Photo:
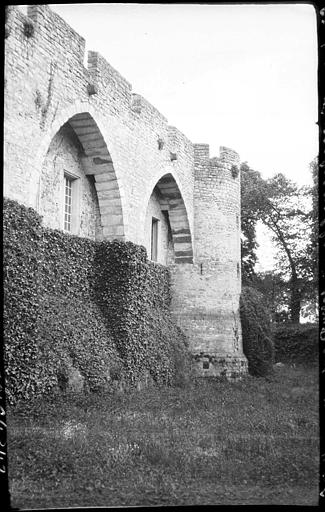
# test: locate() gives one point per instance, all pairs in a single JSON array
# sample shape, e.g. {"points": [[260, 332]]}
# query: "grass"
{"points": [[253, 441]]}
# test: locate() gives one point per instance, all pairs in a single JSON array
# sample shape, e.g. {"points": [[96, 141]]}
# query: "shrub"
{"points": [[296, 343], [134, 296], [22, 235], [257, 335], [98, 307], [50, 321]]}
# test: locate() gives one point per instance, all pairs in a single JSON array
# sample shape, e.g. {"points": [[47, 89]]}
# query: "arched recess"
{"points": [[170, 200], [97, 161]]}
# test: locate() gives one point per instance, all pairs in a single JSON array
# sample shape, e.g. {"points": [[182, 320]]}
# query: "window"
{"points": [[67, 202], [154, 239], [71, 220]]}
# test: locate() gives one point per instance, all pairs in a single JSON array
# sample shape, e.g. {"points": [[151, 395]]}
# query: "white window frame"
{"points": [[75, 203]]}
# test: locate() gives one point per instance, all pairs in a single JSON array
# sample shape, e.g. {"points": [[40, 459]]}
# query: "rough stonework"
{"points": [[77, 137]]}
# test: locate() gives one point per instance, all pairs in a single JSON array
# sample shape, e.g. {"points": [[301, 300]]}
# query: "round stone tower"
{"points": [[209, 312]]}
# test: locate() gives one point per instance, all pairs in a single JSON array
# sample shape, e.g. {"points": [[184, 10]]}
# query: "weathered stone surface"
{"points": [[107, 141], [70, 379], [219, 365]]}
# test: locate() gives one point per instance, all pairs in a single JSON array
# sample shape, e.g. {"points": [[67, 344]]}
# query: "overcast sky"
{"points": [[243, 76]]}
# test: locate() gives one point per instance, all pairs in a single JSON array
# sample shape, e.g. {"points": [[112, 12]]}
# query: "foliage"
{"points": [[313, 245], [50, 323], [100, 308], [287, 215], [285, 210], [71, 323], [256, 329], [22, 236], [250, 183], [276, 293], [134, 296], [296, 343]]}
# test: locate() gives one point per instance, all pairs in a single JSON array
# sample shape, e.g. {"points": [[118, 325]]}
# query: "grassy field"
{"points": [[253, 441]]}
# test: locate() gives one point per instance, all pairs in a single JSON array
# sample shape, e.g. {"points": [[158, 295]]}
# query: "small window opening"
{"points": [[67, 202], [71, 220]]}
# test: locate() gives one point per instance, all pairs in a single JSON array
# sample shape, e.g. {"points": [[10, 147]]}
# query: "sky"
{"points": [[241, 76]]}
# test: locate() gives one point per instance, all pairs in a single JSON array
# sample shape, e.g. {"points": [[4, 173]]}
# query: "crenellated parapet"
{"points": [[228, 159], [57, 44], [42, 27], [217, 204], [141, 105], [47, 80]]}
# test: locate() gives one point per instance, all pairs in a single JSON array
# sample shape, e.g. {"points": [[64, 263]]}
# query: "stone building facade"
{"points": [[97, 160]]}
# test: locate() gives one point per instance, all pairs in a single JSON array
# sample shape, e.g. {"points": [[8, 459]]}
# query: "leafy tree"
{"points": [[313, 246], [276, 294], [251, 181], [287, 214], [286, 211]]}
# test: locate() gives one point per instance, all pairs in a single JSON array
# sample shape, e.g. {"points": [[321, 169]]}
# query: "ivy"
{"points": [[256, 330], [99, 307], [134, 296]]}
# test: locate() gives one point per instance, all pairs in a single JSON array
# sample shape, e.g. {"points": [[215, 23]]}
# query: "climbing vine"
{"points": [[256, 330], [70, 302], [134, 296]]}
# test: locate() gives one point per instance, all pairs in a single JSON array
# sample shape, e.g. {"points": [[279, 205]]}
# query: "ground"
{"points": [[253, 441]]}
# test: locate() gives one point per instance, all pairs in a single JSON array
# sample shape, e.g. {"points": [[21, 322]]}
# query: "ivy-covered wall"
{"points": [[72, 304], [257, 334]]}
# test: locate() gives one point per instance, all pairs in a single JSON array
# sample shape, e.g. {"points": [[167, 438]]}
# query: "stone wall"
{"points": [[47, 85], [124, 154], [64, 156], [154, 211]]}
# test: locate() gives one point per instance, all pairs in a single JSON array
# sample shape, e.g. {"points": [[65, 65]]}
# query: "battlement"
{"points": [[201, 152], [51, 27], [54, 37], [102, 71], [44, 32], [227, 157], [140, 105]]}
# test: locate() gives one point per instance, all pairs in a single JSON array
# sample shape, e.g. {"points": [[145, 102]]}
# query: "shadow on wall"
{"points": [[167, 232], [79, 191]]}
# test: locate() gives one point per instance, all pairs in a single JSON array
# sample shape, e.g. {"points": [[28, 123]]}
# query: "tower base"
{"points": [[219, 365]]}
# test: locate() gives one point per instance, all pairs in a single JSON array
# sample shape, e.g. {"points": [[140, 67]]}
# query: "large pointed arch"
{"points": [[97, 161], [170, 199]]}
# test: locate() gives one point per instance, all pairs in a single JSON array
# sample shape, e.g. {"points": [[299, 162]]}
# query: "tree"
{"points": [[313, 246], [251, 182], [287, 214], [286, 210], [275, 292]]}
